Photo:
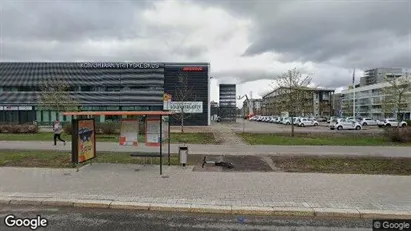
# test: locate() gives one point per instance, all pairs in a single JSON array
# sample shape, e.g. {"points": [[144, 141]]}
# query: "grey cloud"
{"points": [[58, 31], [328, 31], [189, 50], [70, 20], [243, 76], [75, 51]]}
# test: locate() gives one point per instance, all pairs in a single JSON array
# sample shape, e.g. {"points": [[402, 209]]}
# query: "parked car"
{"points": [[296, 120], [331, 119], [344, 124], [279, 120], [368, 122], [273, 119], [287, 121], [390, 122], [321, 119], [307, 122]]}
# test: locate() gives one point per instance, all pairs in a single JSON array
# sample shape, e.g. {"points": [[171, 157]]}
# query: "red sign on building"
{"points": [[193, 69]]}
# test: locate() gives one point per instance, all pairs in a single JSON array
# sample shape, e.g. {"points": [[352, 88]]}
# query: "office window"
{"points": [[87, 88], [53, 116], [46, 116], [113, 89], [38, 115], [10, 89], [67, 118]]}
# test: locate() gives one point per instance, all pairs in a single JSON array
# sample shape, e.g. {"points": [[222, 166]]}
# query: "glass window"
{"points": [[2, 117], [87, 88], [38, 115], [46, 116], [53, 116], [96, 118]]}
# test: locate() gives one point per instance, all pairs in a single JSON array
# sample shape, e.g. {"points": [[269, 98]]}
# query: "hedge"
{"points": [[19, 128]]}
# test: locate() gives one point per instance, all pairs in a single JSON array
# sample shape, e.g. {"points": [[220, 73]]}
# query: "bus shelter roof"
{"points": [[95, 113]]}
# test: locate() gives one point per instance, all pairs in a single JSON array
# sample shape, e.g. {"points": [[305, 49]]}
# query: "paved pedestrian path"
{"points": [[224, 134], [387, 151], [112, 182]]}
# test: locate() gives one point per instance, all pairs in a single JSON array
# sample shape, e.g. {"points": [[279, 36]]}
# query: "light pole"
{"points": [[209, 100]]}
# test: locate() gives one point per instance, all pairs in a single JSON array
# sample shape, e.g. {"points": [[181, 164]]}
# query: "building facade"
{"points": [[121, 86], [336, 101], [256, 105], [370, 101], [312, 102], [228, 103], [378, 75]]}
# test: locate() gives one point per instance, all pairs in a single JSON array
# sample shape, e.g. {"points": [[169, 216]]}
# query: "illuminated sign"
{"points": [[121, 65], [192, 69]]}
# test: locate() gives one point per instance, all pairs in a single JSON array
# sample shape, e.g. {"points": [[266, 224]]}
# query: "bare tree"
{"points": [[55, 96], [293, 86], [397, 95], [183, 93]]}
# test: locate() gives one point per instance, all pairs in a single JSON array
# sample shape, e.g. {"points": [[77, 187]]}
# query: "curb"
{"points": [[216, 209]]}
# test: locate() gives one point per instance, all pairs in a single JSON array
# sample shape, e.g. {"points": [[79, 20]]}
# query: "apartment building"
{"points": [[378, 75], [370, 101], [312, 102], [256, 105]]}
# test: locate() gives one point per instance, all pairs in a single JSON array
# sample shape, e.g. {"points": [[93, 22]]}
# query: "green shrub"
{"points": [[19, 128], [110, 128], [398, 134], [142, 127]]}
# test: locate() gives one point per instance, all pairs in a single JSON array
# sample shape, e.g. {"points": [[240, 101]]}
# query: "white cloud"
{"points": [[188, 31]]}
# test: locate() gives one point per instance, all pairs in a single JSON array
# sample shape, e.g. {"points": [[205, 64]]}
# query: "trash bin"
{"points": [[183, 153]]}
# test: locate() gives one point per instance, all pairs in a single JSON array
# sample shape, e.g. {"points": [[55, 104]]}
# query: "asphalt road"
{"points": [[73, 219]]}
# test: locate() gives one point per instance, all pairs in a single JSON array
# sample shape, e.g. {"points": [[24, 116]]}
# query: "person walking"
{"points": [[58, 129]]}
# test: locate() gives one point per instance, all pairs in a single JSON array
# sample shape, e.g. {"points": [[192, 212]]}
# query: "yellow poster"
{"points": [[86, 140]]}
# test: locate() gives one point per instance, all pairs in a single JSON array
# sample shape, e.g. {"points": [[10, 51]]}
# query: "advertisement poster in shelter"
{"points": [[129, 132], [153, 131], [84, 140]]}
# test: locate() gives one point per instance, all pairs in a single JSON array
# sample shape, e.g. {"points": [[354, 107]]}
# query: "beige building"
{"points": [[371, 101], [310, 102]]}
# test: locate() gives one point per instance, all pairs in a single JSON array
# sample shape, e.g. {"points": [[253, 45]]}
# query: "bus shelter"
{"points": [[84, 133]]}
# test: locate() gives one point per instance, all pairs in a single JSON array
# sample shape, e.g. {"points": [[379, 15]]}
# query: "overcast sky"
{"points": [[246, 42]]}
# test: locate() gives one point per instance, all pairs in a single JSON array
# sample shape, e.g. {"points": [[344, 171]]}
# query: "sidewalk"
{"points": [[120, 186], [386, 151], [224, 135]]}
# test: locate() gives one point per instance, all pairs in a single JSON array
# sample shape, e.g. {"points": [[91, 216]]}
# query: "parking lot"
{"points": [[264, 127]]}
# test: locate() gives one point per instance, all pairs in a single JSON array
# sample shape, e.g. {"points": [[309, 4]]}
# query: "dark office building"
{"points": [[120, 86], [228, 108]]}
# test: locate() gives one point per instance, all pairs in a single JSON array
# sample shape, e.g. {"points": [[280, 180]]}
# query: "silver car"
{"points": [[344, 124]]}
